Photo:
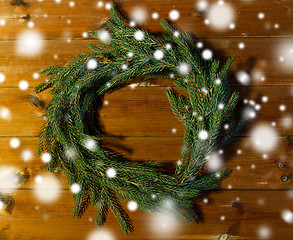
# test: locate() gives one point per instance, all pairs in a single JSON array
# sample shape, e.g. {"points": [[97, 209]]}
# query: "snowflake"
{"points": [[174, 15], [203, 135], [159, 54], [139, 35], [75, 188]]}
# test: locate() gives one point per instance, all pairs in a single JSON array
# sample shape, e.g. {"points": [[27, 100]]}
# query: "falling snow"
{"points": [[220, 15], [111, 173], [14, 143], [99, 234], [8, 178], [264, 232], [46, 157], [139, 15], [243, 77], [159, 54], [75, 188], [207, 54], [287, 216], [203, 135], [90, 144], [26, 155], [23, 85], [29, 43], [264, 138], [47, 188], [104, 35], [174, 15], [139, 35], [214, 162], [132, 206], [5, 113], [184, 68], [2, 77]]}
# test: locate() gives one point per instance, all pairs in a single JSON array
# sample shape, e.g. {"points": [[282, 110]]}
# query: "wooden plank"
{"points": [[259, 210], [249, 168], [263, 65], [141, 112], [52, 18]]}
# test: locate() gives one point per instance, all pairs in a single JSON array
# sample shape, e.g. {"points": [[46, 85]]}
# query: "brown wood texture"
{"points": [[140, 123]]}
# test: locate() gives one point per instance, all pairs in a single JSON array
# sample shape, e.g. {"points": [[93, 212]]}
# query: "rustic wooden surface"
{"points": [[139, 122]]}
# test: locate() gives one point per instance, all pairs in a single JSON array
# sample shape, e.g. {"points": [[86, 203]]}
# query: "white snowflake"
{"points": [[23, 85], [111, 172], [14, 143], [218, 81], [75, 188], [243, 77], [132, 206], [202, 5], [176, 34], [261, 15], [46, 157], [264, 138], [159, 54], [92, 64], [287, 216], [104, 35], [29, 43], [241, 45], [99, 234], [174, 15], [26, 155], [203, 135], [221, 106], [282, 108], [207, 54], [155, 15], [264, 232], [168, 46], [139, 15], [184, 68], [139, 35], [130, 54], [90, 144], [47, 188], [214, 163], [5, 113], [220, 15], [2, 77]]}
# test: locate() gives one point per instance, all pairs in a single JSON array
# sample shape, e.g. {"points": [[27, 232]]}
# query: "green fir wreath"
{"points": [[100, 177]]}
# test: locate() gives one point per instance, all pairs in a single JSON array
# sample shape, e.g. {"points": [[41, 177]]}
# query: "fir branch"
{"points": [[77, 92]]}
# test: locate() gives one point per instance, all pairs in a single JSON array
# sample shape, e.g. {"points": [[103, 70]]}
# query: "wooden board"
{"points": [[141, 125], [249, 169], [264, 66], [31, 219], [52, 19], [141, 111]]}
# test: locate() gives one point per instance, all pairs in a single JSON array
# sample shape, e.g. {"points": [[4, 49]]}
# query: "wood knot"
{"points": [[26, 17], [34, 100], [281, 165], [284, 178], [7, 203], [224, 236], [18, 3]]}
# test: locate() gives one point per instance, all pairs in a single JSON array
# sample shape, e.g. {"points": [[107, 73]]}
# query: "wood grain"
{"points": [[51, 18], [254, 59], [249, 169], [143, 111], [139, 121], [32, 219]]}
